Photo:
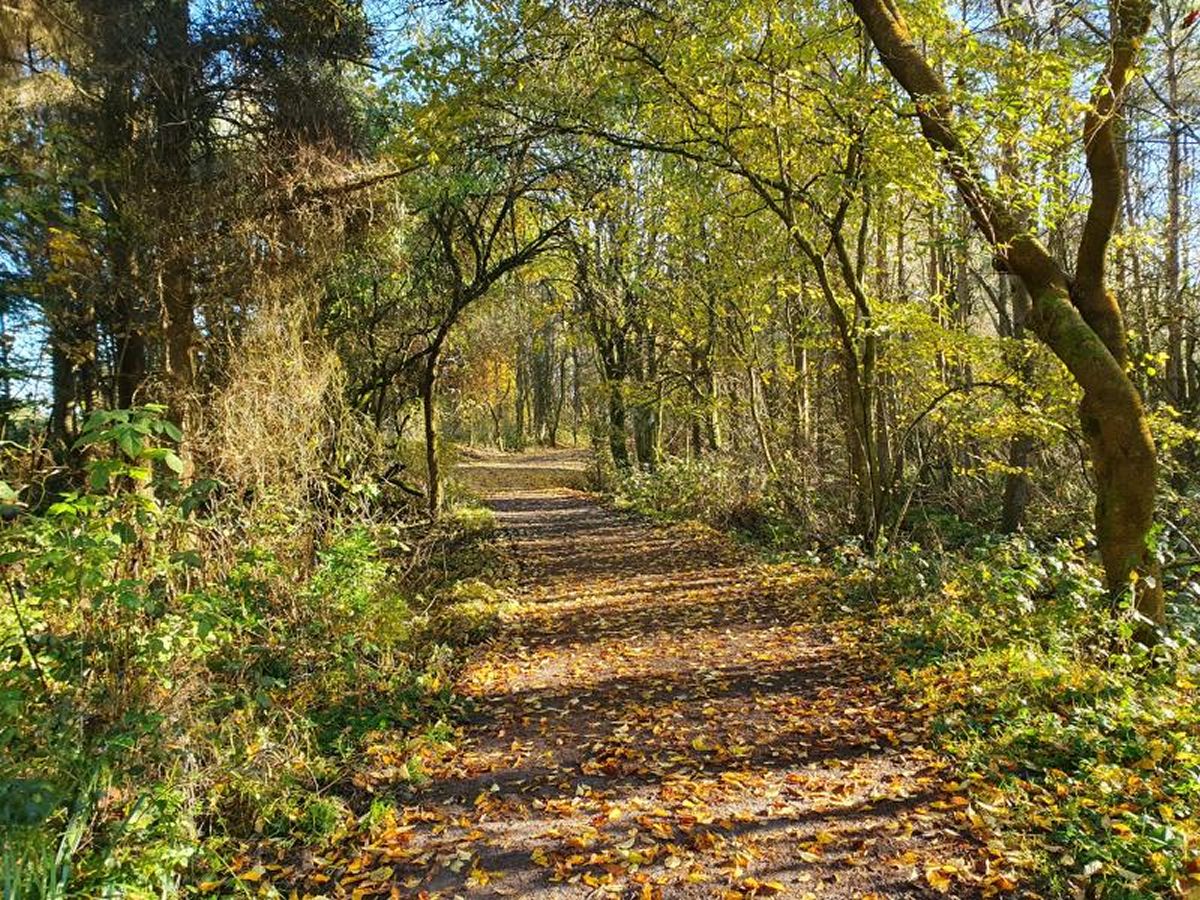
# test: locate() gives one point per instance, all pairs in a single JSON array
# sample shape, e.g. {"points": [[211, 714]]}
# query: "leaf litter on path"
{"points": [[664, 718]]}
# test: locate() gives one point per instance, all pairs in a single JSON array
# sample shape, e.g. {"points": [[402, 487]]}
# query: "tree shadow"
{"points": [[665, 715]]}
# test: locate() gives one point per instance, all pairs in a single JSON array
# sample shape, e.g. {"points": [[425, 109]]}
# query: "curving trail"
{"points": [[664, 718]]}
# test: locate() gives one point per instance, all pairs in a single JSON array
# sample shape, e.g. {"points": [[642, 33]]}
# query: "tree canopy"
{"points": [[853, 280]]}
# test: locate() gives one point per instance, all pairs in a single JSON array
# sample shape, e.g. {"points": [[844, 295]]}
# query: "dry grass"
{"points": [[280, 423]]}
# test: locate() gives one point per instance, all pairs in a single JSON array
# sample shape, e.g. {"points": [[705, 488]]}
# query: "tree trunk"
{"points": [[616, 424], [62, 388], [521, 395], [576, 397], [496, 412], [433, 476], [859, 444], [560, 399], [541, 362], [174, 124], [858, 380], [1017, 486], [114, 134], [1176, 381], [760, 428], [712, 425], [1078, 318], [645, 412], [131, 357]]}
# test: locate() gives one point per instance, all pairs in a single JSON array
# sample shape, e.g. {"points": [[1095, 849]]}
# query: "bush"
{"points": [[716, 491], [217, 681], [1081, 746]]}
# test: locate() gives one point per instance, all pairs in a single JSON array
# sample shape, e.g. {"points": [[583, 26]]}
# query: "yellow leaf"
{"points": [[939, 878], [1000, 882], [383, 873]]}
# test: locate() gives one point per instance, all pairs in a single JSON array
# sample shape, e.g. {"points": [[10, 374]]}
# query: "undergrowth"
{"points": [[1081, 745], [714, 492], [180, 679]]}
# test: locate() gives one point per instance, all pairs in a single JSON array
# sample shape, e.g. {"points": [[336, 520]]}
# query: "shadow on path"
{"points": [[659, 720]]}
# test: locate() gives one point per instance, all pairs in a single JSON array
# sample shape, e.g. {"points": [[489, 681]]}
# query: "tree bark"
{"points": [[559, 399], [174, 127], [760, 427], [576, 397], [521, 394], [114, 56], [1079, 318], [712, 425], [616, 425], [1018, 486], [433, 475], [1176, 380], [645, 409]]}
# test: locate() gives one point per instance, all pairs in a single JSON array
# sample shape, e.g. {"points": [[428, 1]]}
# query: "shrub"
{"points": [[712, 490], [1080, 744], [218, 669]]}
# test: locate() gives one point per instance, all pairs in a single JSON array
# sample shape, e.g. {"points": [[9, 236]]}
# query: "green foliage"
{"points": [[472, 520], [1082, 747], [719, 492], [173, 678]]}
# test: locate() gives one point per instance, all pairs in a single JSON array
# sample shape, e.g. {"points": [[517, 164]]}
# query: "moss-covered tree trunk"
{"points": [[1077, 317]]}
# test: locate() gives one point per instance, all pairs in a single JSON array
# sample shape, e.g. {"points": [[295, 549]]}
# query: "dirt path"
{"points": [[658, 720]]}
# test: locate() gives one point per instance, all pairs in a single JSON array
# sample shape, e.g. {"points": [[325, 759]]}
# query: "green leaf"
{"points": [[174, 463], [98, 477], [188, 558], [130, 443]]}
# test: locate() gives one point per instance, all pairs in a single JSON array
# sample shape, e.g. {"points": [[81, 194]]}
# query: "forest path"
{"points": [[665, 718]]}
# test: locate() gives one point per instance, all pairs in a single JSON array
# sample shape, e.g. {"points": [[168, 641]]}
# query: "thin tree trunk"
{"points": [[433, 475], [576, 397], [760, 429], [1176, 383]]}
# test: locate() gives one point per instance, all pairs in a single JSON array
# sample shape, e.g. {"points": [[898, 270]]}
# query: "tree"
{"points": [[486, 220], [1074, 313]]}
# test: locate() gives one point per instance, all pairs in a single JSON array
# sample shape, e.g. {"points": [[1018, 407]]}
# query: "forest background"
{"points": [[906, 294]]}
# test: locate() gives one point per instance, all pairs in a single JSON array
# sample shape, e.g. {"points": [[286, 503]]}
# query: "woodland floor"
{"points": [[665, 717]]}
